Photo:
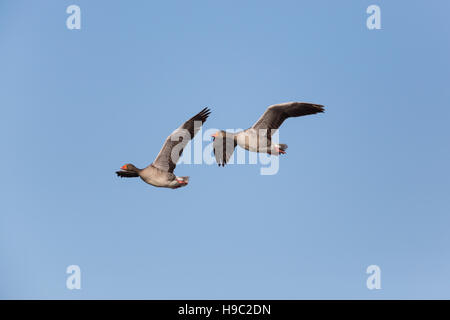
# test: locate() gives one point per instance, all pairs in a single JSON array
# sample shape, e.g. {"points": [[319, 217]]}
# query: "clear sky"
{"points": [[365, 183]]}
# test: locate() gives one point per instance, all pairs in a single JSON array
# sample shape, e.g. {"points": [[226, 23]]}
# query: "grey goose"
{"points": [[258, 137], [160, 172]]}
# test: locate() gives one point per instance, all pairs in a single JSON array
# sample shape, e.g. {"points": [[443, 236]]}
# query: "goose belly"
{"points": [[156, 182], [157, 178], [253, 142]]}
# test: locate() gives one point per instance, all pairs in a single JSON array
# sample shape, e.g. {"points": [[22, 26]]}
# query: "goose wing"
{"points": [[275, 115], [173, 146], [223, 148]]}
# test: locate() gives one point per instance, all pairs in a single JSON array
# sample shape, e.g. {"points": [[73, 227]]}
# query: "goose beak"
{"points": [[124, 167]]}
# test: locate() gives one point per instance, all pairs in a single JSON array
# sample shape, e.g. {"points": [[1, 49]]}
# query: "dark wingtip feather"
{"points": [[320, 108], [203, 115]]}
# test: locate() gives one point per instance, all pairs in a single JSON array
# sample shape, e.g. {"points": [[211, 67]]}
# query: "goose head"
{"points": [[129, 167], [219, 133]]}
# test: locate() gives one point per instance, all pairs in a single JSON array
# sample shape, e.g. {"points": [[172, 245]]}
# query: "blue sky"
{"points": [[365, 183]]}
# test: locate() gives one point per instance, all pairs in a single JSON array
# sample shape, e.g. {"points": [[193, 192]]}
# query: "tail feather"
{"points": [[179, 182], [185, 179], [182, 180]]}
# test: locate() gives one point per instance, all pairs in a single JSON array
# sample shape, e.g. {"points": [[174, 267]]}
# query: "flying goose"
{"points": [[258, 137], [160, 172]]}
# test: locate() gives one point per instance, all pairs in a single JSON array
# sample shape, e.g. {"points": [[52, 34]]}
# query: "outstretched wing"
{"points": [[175, 143], [275, 115], [223, 148]]}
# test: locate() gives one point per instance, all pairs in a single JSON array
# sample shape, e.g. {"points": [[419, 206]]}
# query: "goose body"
{"points": [[160, 178], [160, 172], [252, 140], [258, 138]]}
